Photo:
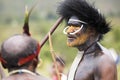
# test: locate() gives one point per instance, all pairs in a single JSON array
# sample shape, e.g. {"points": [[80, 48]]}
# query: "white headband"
{"points": [[77, 21]]}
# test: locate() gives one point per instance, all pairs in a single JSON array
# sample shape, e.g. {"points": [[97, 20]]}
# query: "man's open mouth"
{"points": [[71, 38]]}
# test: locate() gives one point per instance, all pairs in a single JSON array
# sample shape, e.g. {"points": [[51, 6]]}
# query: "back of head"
{"points": [[18, 50]]}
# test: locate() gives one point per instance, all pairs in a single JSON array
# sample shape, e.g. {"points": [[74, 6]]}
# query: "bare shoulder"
{"points": [[106, 59], [26, 77], [106, 67]]}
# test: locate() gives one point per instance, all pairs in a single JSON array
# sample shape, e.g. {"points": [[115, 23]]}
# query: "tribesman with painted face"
{"points": [[85, 28]]}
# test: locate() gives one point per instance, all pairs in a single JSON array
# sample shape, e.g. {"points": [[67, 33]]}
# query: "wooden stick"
{"points": [[54, 57], [51, 31]]}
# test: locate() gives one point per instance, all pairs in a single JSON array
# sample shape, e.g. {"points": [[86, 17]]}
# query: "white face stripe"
{"points": [[77, 21], [72, 33]]}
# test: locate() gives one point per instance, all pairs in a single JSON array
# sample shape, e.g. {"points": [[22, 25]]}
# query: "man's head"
{"points": [[84, 22], [18, 51]]}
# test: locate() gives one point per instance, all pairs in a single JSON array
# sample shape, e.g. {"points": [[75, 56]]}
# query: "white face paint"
{"points": [[76, 20], [75, 36], [72, 33]]}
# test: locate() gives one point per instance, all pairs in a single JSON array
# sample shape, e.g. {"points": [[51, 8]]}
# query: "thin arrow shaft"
{"points": [[54, 57], [51, 31]]}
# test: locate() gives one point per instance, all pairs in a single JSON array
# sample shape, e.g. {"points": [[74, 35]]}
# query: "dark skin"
{"points": [[21, 44], [60, 69], [27, 76], [96, 64]]}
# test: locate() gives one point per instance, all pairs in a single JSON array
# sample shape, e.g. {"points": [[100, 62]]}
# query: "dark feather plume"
{"points": [[84, 12]]}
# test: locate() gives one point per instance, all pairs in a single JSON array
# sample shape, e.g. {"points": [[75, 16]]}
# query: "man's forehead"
{"points": [[74, 20]]}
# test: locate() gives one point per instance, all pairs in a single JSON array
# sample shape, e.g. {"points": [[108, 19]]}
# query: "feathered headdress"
{"points": [[85, 12]]}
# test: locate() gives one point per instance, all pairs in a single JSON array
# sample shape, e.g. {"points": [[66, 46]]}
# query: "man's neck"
{"points": [[27, 68], [88, 47], [20, 71]]}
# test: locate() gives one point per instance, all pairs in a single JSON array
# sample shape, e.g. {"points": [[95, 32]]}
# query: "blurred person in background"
{"points": [[60, 66], [85, 28]]}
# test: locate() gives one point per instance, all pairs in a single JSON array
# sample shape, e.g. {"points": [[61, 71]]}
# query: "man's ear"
{"points": [[35, 59], [3, 64], [35, 62]]}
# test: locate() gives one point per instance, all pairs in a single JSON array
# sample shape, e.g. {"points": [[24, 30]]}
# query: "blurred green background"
{"points": [[41, 20]]}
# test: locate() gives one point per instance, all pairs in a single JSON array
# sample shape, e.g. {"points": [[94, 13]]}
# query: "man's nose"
{"points": [[70, 29]]}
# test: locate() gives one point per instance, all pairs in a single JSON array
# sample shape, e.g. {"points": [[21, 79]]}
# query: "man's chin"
{"points": [[70, 44]]}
